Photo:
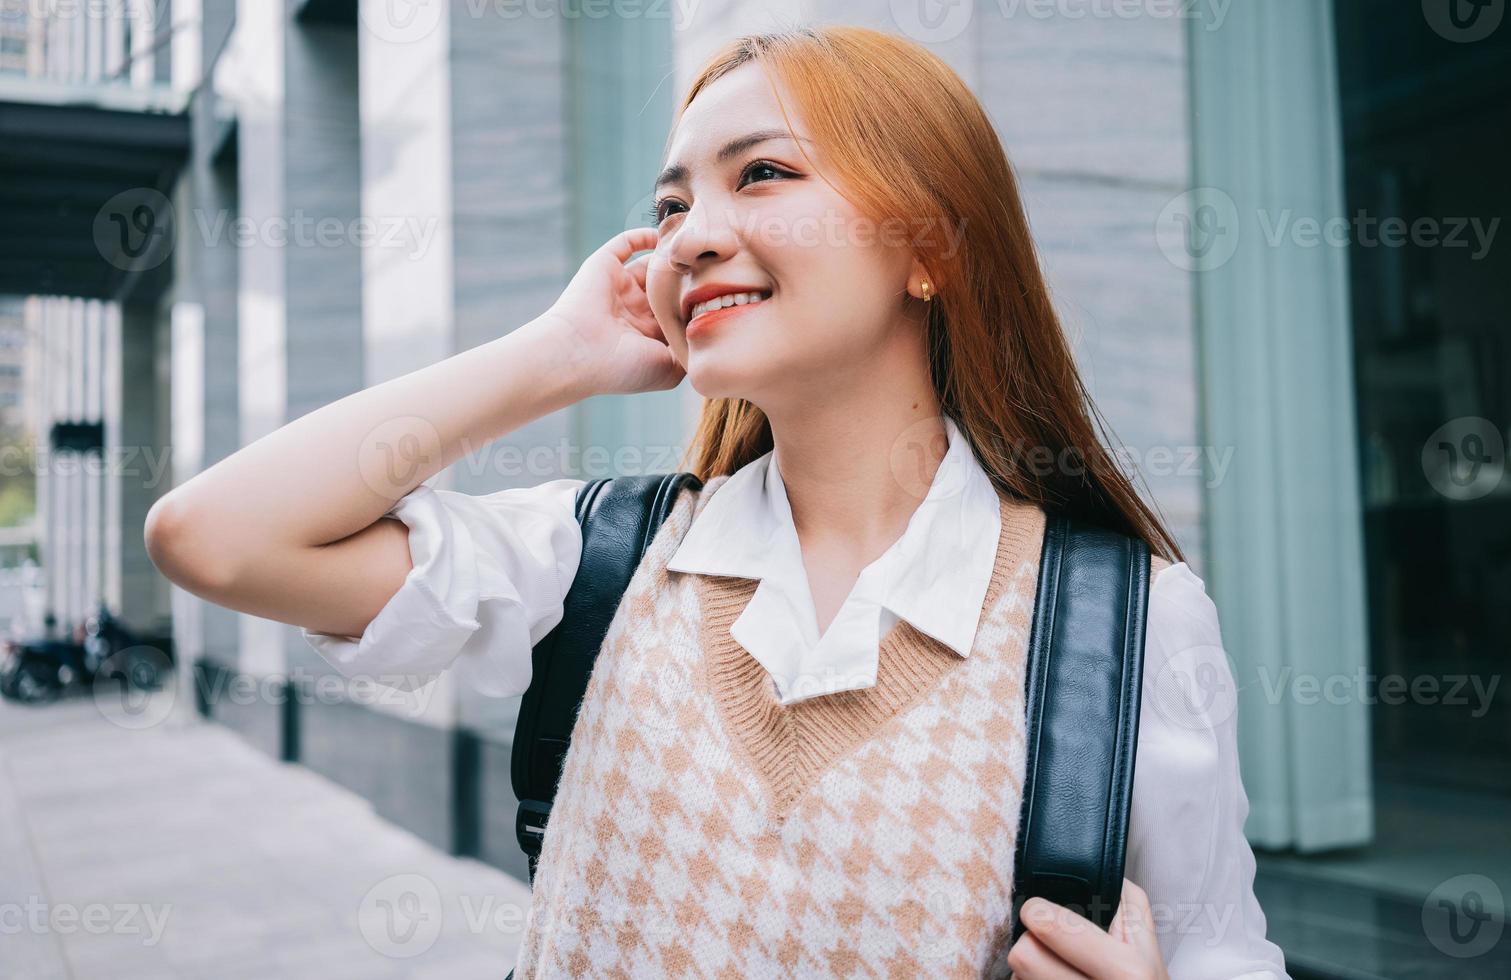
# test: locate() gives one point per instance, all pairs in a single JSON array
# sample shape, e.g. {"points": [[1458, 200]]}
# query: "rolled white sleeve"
{"points": [[490, 574], [1186, 846]]}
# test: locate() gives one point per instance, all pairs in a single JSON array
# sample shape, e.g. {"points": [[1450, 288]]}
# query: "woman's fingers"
{"points": [[638, 267], [1077, 940], [1129, 947], [637, 304], [1032, 959], [630, 241]]}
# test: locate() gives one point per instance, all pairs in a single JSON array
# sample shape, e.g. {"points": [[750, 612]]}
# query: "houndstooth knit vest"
{"points": [[701, 829]]}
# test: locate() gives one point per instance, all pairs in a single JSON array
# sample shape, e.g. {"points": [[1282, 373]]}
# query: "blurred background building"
{"points": [[1271, 229]]}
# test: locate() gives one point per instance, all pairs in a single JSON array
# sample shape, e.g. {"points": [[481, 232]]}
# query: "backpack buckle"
{"points": [[530, 825]]}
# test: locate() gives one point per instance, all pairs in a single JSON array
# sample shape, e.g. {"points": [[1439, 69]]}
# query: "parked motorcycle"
{"points": [[41, 669]]}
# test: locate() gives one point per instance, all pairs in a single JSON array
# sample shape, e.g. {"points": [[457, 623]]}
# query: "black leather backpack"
{"points": [[1085, 669]]}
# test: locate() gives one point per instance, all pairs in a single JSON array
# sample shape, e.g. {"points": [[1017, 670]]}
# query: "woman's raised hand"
{"points": [[608, 328]]}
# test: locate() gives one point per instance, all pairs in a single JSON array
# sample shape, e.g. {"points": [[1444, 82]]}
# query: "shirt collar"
{"points": [[935, 575]]}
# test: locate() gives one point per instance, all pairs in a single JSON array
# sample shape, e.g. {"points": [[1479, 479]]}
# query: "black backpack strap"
{"points": [[1084, 682], [619, 517]]}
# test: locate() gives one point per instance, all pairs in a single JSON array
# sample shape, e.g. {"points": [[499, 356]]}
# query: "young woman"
{"points": [[801, 749]]}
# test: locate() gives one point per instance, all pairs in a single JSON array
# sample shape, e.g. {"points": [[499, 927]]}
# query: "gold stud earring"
{"points": [[927, 296]]}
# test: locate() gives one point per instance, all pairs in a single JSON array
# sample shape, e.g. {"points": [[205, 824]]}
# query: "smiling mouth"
{"points": [[718, 305]]}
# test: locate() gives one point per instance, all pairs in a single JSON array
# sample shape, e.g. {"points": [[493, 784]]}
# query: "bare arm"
{"points": [[289, 527]]}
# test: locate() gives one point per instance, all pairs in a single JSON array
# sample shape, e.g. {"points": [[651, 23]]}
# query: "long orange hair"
{"points": [[909, 141]]}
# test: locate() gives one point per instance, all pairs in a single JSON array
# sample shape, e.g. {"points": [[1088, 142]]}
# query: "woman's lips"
{"points": [[704, 322]]}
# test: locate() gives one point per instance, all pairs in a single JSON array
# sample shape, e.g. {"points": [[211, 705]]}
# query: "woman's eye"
{"points": [[656, 213], [658, 210], [759, 165]]}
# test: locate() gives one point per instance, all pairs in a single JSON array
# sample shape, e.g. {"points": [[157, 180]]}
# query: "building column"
{"points": [[276, 209], [137, 457], [201, 324], [298, 196], [1277, 371], [466, 161], [322, 269], [214, 176], [261, 311]]}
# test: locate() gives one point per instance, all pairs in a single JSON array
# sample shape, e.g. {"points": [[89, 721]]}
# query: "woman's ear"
{"points": [[921, 284]]}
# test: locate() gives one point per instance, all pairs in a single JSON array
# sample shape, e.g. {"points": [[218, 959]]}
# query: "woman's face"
{"points": [[762, 220]]}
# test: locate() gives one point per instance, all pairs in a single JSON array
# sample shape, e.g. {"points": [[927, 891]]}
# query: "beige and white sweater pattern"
{"points": [[703, 830]]}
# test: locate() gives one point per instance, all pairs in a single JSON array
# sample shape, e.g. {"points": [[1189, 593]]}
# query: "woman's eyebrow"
{"points": [[677, 173]]}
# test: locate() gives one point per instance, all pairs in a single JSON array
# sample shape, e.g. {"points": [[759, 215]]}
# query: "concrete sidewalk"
{"points": [[173, 849]]}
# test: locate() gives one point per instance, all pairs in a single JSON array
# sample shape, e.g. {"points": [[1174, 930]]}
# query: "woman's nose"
{"points": [[706, 232]]}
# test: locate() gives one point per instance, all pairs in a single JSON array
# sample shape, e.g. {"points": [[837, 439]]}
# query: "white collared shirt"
{"points": [[935, 575], [491, 571]]}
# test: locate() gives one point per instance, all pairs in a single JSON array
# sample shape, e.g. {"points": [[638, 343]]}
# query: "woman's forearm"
{"points": [[338, 469]]}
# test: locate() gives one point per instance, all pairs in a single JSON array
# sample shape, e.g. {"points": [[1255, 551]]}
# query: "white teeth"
{"points": [[729, 299]]}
